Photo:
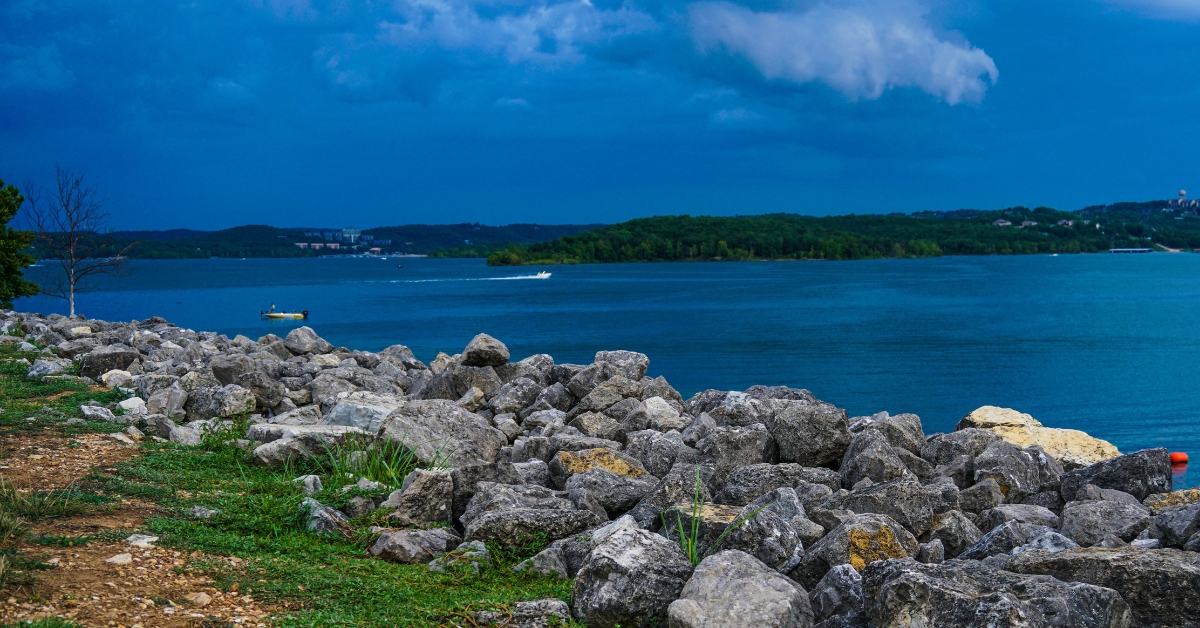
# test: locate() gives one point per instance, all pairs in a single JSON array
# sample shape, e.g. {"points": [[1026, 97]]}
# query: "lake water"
{"points": [[1109, 344]]}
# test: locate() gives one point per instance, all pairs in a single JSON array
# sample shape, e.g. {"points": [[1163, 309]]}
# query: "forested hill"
{"points": [[926, 234], [464, 240]]}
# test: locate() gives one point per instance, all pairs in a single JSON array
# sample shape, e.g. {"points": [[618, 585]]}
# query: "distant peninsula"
{"points": [[1154, 225]]}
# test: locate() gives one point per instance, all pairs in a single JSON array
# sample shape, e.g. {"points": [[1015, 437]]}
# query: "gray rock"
{"points": [[322, 519], [1162, 587], [309, 484], [169, 401], [1094, 493], [228, 368], [1003, 539], [942, 494], [932, 553], [515, 396], [908, 593], [326, 388], [414, 547], [902, 431], [902, 499], [158, 425], [786, 503], [586, 380], [1140, 474], [730, 448], [970, 442], [1048, 542], [200, 512], [734, 586], [1178, 523], [440, 432], [870, 456], [517, 527], [563, 558], [698, 429], [1025, 513], [679, 486], [42, 368], [186, 436], [699, 524], [629, 579], [553, 397], [267, 392], [858, 541], [304, 340], [981, 497], [916, 464], [534, 472], [468, 479], [483, 350], [657, 451], [98, 413], [811, 434], [763, 534], [1087, 523], [1050, 500], [491, 496], [658, 387], [960, 470], [425, 498], [747, 483], [629, 363], [545, 613], [955, 531], [276, 453], [106, 358], [565, 464], [1050, 470], [599, 426], [1013, 469], [364, 410], [839, 593], [615, 493]]}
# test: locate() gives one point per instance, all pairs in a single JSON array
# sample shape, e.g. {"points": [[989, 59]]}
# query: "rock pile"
{"points": [[764, 507]]}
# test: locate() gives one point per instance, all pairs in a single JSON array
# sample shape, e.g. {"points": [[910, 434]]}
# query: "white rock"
{"points": [[141, 540], [120, 559], [133, 406], [116, 378]]}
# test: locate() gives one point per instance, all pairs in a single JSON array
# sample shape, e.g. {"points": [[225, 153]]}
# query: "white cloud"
{"points": [[859, 48]]}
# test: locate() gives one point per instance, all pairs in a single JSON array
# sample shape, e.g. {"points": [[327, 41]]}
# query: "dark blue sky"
{"points": [[209, 114]]}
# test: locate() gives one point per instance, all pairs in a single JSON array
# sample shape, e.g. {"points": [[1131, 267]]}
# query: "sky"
{"points": [[209, 114]]}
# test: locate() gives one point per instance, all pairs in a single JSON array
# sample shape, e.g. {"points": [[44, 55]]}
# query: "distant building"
{"points": [[1001, 223], [1028, 223], [303, 245], [334, 245], [1067, 223], [375, 251], [351, 235], [382, 242], [318, 245], [367, 238]]}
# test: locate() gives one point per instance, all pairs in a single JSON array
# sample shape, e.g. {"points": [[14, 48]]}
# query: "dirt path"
{"points": [[147, 587]]}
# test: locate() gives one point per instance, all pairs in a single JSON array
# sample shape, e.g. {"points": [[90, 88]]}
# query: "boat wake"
{"points": [[450, 279]]}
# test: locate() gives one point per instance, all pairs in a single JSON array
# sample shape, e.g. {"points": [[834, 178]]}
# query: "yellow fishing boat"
{"points": [[272, 314]]}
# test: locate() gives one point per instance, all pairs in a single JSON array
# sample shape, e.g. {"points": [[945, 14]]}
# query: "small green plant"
{"points": [[10, 526], [383, 461], [689, 538], [59, 541], [38, 505], [44, 622]]}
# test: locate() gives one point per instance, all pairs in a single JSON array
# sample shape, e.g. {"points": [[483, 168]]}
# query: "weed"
{"points": [[40, 504], [507, 559], [11, 525], [44, 622], [60, 541], [689, 539], [386, 462]]}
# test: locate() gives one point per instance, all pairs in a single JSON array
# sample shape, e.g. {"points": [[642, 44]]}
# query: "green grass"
{"points": [[328, 580], [45, 622], [318, 580]]}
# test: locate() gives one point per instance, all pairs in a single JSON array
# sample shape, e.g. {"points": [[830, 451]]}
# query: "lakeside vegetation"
{"points": [[925, 234]]}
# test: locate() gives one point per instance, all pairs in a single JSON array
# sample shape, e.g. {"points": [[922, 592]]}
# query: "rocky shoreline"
{"points": [[764, 507]]}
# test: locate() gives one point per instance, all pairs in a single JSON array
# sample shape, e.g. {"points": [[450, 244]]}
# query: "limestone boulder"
{"points": [[811, 434], [629, 579], [414, 547], [424, 499], [732, 586], [1090, 522], [364, 410], [908, 593], [304, 340], [439, 431], [515, 528], [565, 464], [1161, 586], [1140, 474], [955, 531], [1072, 448], [483, 350], [858, 541], [106, 358]]}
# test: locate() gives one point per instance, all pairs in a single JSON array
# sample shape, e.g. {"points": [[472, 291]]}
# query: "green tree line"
{"points": [[795, 237]]}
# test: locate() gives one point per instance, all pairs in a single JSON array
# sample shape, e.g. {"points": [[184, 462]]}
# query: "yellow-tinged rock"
{"points": [[583, 461], [1158, 501], [866, 548], [1072, 448]]}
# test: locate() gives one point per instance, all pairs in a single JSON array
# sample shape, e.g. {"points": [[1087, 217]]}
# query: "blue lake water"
{"points": [[1109, 344]]}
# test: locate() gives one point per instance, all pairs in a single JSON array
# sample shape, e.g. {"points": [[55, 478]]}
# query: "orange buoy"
{"points": [[1178, 457]]}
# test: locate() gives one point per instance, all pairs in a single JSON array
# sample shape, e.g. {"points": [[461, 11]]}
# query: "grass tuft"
{"points": [[38, 505]]}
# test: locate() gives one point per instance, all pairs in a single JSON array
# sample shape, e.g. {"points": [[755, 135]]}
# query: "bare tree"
{"points": [[70, 227]]}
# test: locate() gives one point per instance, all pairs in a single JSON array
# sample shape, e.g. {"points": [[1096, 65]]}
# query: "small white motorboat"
{"points": [[542, 275]]}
